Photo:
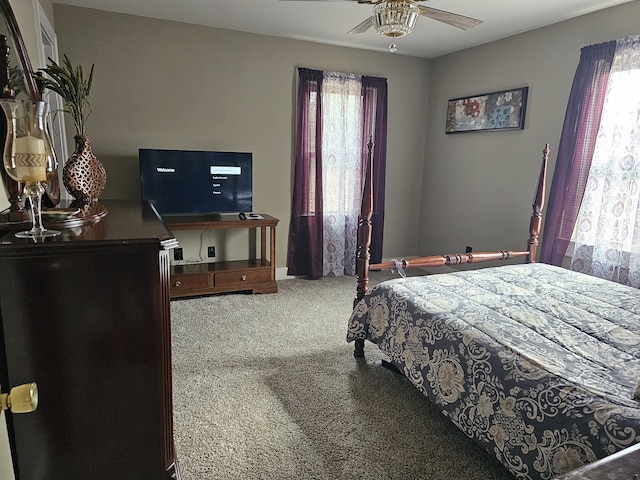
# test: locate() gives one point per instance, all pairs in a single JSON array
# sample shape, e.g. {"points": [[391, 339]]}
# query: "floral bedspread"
{"points": [[536, 363]]}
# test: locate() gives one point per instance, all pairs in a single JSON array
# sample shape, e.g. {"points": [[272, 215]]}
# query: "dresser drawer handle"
{"points": [[178, 283], [243, 278]]}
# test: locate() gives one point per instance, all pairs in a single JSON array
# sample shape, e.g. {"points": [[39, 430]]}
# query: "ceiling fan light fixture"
{"points": [[395, 18]]}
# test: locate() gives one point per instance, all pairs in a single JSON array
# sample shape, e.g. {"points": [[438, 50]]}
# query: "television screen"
{"points": [[188, 182]]}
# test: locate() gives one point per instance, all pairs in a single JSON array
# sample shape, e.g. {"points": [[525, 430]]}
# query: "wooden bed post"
{"points": [[538, 204], [363, 254]]}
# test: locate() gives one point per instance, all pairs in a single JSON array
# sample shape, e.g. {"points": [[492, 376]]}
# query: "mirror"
{"points": [[21, 65], [25, 85]]}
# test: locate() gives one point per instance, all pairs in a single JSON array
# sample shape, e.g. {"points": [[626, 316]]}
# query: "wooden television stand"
{"points": [[256, 275]]}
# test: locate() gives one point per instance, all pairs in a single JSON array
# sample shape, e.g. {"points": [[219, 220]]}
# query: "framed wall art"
{"points": [[504, 110]]}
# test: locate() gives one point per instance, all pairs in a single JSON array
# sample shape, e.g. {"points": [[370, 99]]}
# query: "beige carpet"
{"points": [[266, 387]]}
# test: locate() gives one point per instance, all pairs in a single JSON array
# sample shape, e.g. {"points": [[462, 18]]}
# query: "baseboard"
{"points": [[281, 274]]}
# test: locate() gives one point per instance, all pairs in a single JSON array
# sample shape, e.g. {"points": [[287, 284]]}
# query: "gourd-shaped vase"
{"points": [[83, 175]]}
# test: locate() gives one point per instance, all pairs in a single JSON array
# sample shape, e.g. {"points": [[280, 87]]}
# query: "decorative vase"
{"points": [[83, 175]]}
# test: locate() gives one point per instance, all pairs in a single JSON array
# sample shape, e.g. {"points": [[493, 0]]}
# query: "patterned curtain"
{"points": [[607, 235], [336, 112], [581, 123], [342, 171]]}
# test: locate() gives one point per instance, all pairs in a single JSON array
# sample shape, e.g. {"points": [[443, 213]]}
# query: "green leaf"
{"points": [[70, 83]]}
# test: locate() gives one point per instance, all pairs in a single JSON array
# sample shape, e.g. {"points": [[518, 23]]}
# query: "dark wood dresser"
{"points": [[623, 465], [86, 315]]}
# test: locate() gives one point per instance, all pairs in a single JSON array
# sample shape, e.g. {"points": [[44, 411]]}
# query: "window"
{"points": [[606, 235], [337, 115]]}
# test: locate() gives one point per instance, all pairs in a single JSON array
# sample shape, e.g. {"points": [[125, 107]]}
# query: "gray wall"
{"points": [[478, 187], [171, 85], [162, 84]]}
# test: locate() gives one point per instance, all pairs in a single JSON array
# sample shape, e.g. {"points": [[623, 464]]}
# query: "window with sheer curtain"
{"points": [[341, 171], [595, 195], [337, 115], [607, 230]]}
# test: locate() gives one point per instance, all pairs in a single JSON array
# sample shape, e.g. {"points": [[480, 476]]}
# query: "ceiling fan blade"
{"points": [[363, 27], [453, 19]]}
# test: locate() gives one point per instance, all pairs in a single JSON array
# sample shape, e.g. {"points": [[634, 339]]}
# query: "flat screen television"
{"points": [[190, 182]]}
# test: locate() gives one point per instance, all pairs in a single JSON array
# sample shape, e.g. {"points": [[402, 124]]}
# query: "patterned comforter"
{"points": [[536, 363]]}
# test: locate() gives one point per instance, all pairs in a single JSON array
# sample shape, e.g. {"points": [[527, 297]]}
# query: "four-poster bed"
{"points": [[536, 363]]}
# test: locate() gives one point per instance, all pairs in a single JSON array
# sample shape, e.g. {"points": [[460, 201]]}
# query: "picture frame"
{"points": [[495, 111]]}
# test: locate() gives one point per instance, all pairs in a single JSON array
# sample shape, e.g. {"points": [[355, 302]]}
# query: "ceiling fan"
{"points": [[397, 18]]}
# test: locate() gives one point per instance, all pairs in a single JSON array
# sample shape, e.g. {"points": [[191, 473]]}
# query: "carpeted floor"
{"points": [[266, 387]]}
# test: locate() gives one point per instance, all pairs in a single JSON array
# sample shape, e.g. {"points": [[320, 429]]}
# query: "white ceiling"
{"points": [[328, 21]]}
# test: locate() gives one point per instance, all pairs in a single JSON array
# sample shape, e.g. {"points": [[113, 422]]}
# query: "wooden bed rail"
{"points": [[451, 259], [364, 239]]}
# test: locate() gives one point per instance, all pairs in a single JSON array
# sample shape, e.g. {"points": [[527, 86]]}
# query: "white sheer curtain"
{"points": [[341, 170], [607, 231]]}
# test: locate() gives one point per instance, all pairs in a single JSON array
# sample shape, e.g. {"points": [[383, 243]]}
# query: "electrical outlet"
{"points": [[177, 254], [211, 251]]}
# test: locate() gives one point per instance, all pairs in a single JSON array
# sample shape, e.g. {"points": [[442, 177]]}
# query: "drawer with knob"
{"points": [[238, 278], [190, 282]]}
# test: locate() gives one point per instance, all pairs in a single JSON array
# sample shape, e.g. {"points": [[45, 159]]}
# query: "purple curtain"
{"points": [[577, 142], [375, 126], [304, 255]]}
